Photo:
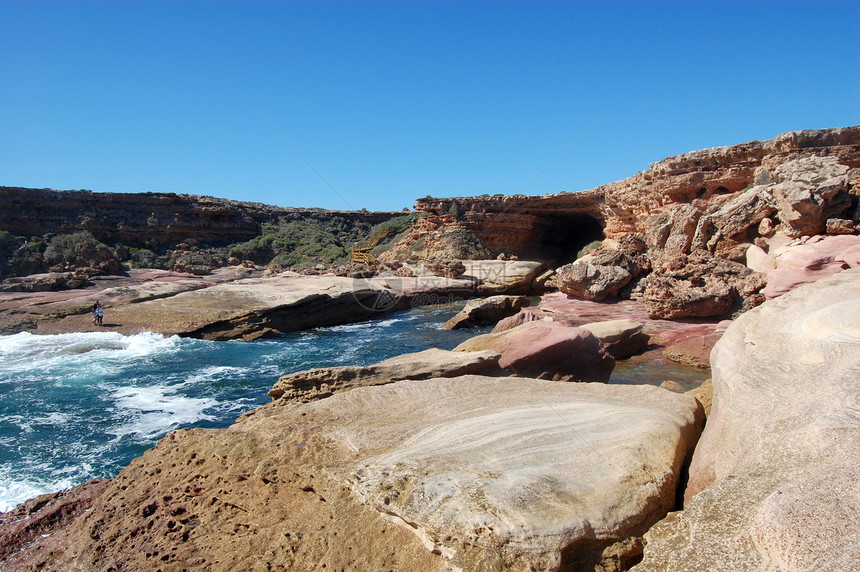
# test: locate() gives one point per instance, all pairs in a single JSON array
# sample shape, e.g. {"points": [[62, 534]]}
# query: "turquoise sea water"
{"points": [[78, 406]]}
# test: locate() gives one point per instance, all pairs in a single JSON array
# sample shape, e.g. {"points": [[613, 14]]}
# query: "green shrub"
{"points": [[78, 250]]}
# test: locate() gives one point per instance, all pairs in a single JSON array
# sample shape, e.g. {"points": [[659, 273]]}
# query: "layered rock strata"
{"points": [[676, 234], [471, 473], [774, 482], [486, 311], [547, 350], [154, 218], [319, 383]]}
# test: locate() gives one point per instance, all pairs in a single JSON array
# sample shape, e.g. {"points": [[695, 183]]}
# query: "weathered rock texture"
{"points": [[318, 383], [486, 311], [154, 218], [775, 483], [264, 307], [621, 338], [470, 473], [547, 350], [683, 225]]}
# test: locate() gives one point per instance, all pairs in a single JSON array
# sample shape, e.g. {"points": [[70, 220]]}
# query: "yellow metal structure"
{"points": [[361, 253]]}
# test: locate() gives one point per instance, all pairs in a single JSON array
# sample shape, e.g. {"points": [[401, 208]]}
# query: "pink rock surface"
{"points": [[818, 258], [547, 350]]}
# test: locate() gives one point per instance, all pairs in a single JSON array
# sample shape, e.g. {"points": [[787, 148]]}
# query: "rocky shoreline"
{"points": [[484, 458]]}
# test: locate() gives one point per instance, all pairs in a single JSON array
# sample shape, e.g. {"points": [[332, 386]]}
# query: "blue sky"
{"points": [[390, 101]]}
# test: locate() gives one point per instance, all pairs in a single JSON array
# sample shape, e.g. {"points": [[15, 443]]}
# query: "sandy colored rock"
{"points": [[774, 482], [318, 383], [471, 473], [547, 350], [517, 319], [486, 311], [621, 338], [503, 276], [704, 394]]}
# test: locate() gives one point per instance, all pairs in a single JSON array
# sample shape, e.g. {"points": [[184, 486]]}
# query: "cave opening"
{"points": [[559, 238]]}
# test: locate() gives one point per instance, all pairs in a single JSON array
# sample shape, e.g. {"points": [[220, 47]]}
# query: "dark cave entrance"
{"points": [[558, 238]]}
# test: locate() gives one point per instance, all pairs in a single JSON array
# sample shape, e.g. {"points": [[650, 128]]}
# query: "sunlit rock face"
{"points": [[470, 473], [774, 483], [661, 228]]}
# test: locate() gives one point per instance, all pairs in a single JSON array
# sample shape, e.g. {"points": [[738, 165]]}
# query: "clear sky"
{"points": [[372, 104]]}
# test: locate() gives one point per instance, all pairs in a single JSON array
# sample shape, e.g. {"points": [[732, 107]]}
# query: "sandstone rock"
{"points": [[774, 482], [547, 350], [486, 311], [503, 277], [621, 338], [704, 394], [810, 261], [517, 319], [603, 273], [672, 386], [265, 307], [758, 260], [693, 350], [699, 286], [471, 473], [808, 193], [42, 516], [322, 382], [446, 268], [840, 226]]}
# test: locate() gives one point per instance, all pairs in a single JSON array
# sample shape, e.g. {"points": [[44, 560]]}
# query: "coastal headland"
{"points": [[498, 455]]}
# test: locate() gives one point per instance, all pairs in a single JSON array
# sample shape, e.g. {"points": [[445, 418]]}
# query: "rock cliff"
{"points": [[676, 234], [138, 219]]}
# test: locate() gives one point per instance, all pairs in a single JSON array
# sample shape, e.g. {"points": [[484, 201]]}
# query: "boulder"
{"points": [[621, 338], [603, 273], [471, 473], [701, 286], [547, 350], [808, 191], [840, 226], [486, 311], [503, 276], [811, 260], [318, 383], [518, 319], [694, 350], [774, 483]]}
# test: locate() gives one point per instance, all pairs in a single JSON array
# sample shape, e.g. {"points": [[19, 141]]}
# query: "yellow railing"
{"points": [[361, 253]]}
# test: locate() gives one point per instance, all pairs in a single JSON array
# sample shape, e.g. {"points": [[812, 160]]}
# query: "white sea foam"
{"points": [[26, 352], [14, 491], [152, 411], [214, 373]]}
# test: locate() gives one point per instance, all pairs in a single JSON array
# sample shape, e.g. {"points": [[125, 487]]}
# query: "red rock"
{"points": [[547, 350]]}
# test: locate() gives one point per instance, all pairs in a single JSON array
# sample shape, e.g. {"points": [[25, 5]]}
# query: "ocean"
{"points": [[80, 406]]}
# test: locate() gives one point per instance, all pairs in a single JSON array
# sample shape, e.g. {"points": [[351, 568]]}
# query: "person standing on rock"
{"points": [[95, 312]]}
